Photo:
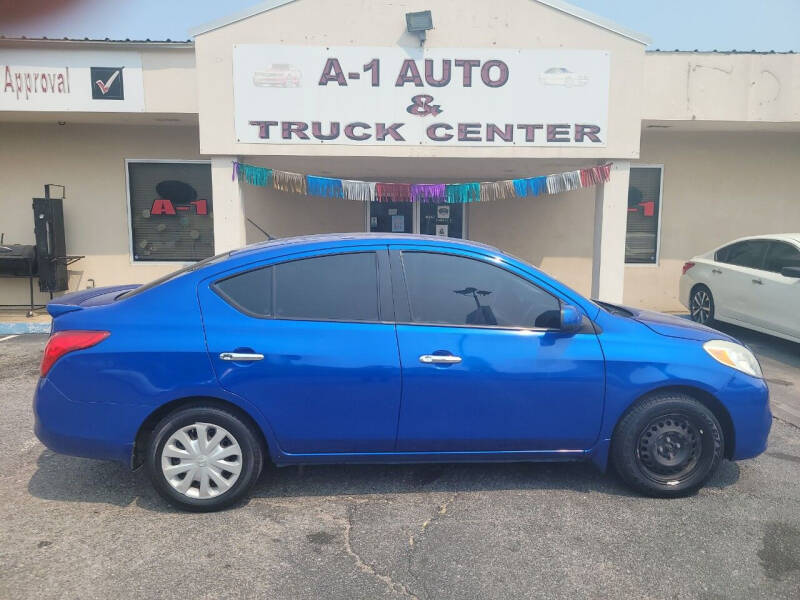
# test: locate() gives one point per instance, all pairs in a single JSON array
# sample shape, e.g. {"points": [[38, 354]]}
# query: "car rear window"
{"points": [[337, 287], [170, 276]]}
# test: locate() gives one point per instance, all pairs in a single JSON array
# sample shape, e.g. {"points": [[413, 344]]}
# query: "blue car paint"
{"points": [[346, 392]]}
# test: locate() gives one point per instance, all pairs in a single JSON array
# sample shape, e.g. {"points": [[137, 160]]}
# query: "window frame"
{"points": [[383, 290], [416, 216], [129, 161], [657, 261], [402, 296]]}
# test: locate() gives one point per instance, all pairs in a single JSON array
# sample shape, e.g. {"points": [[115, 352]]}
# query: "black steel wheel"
{"points": [[701, 305], [670, 447], [667, 445]]}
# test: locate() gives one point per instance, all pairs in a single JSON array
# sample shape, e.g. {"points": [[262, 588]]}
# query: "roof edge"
{"points": [[4, 40], [590, 17], [560, 5], [240, 15]]}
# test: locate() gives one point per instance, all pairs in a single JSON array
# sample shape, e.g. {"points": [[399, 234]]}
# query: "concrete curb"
{"points": [[18, 327]]}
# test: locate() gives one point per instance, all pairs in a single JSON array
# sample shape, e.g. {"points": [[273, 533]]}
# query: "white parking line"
{"points": [[8, 337]]}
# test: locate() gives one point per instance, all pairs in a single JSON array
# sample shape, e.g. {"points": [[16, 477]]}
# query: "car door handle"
{"points": [[446, 359], [717, 271], [241, 356], [758, 281]]}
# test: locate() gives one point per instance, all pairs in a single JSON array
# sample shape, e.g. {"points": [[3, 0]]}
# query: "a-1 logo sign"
{"points": [[176, 196], [162, 206]]}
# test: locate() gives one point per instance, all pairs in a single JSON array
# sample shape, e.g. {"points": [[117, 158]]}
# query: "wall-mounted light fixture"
{"points": [[419, 23]]}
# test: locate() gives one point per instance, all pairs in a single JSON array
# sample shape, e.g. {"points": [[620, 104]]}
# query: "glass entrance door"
{"points": [[444, 220], [391, 217], [427, 218]]}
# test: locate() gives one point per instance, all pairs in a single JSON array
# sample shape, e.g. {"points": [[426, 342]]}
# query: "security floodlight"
{"points": [[419, 23], [52, 190]]}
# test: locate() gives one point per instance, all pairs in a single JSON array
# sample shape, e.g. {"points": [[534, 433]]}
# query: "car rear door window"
{"points": [[250, 292], [780, 255], [459, 291], [749, 253], [337, 287]]}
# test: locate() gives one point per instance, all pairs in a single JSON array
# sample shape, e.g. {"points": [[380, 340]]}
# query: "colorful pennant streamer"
{"points": [[459, 193]]}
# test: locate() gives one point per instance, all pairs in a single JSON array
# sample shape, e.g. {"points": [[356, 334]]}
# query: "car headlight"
{"points": [[733, 355]]}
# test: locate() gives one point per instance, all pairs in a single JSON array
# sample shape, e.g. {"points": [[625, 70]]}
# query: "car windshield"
{"points": [[170, 276]]}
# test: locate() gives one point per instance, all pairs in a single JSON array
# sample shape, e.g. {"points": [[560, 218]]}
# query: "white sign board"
{"points": [[413, 96], [71, 80]]}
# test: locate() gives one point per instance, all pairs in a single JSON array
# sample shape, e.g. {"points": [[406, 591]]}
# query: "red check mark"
{"points": [[104, 87]]}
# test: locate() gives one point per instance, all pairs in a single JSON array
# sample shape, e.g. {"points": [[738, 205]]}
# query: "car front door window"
{"points": [[780, 255], [452, 290], [779, 295]]}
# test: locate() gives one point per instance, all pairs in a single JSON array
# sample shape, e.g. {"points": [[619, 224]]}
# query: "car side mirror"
{"points": [[790, 272], [571, 319]]}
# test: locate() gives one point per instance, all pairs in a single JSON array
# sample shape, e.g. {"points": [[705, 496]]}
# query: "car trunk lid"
{"points": [[86, 298]]}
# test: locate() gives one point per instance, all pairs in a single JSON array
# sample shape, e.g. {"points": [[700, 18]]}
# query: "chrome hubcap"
{"points": [[700, 306], [201, 460]]}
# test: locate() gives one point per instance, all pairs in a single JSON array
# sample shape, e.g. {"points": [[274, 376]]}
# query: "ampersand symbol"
{"points": [[422, 106]]}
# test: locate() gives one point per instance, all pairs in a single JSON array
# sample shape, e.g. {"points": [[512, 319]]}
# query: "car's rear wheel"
{"points": [[203, 458], [701, 305], [667, 445]]}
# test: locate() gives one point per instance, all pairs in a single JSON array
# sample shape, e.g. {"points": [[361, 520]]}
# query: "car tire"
{"points": [[217, 448], [701, 305], [667, 445]]}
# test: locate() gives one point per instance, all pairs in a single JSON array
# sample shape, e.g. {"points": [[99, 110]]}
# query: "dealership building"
{"points": [[703, 147]]}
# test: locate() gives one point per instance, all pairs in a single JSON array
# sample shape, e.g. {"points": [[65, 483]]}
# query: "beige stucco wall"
{"points": [[555, 233], [170, 80], [717, 187], [90, 161], [282, 214], [458, 24], [709, 86]]}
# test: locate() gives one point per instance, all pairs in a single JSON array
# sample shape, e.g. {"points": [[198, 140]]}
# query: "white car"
{"points": [[563, 76], [278, 75], [753, 282]]}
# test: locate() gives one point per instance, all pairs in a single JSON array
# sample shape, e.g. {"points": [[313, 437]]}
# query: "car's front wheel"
{"points": [[203, 458], [667, 445]]}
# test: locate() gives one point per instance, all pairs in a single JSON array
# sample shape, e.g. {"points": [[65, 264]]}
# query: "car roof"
{"points": [[783, 237], [332, 240]]}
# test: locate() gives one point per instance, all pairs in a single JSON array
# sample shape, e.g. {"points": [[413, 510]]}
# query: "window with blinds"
{"points": [[644, 208], [171, 211]]}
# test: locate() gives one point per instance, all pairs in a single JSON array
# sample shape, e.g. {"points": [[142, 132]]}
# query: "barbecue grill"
{"points": [[46, 259], [18, 260]]}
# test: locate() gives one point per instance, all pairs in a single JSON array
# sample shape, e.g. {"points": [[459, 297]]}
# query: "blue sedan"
{"points": [[386, 348]]}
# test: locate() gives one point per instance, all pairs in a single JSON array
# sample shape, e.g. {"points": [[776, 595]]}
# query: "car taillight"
{"points": [[687, 266], [62, 342]]}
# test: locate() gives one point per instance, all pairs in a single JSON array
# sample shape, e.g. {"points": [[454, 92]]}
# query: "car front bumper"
{"points": [[747, 401]]}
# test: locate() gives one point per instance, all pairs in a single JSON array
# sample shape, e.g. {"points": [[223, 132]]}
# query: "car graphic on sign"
{"points": [[563, 76], [278, 75]]}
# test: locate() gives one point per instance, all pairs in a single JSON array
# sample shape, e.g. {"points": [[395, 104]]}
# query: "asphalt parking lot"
{"points": [[75, 528]]}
